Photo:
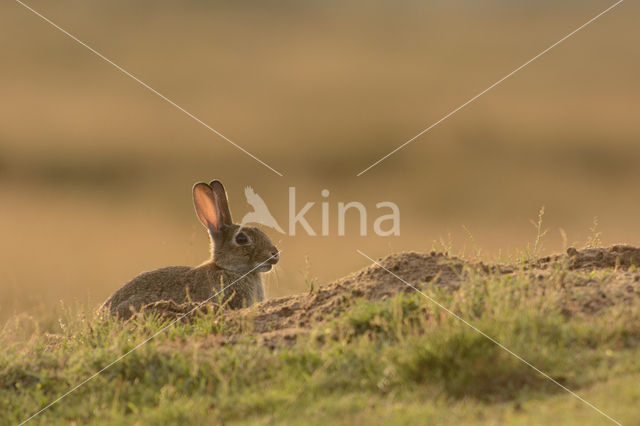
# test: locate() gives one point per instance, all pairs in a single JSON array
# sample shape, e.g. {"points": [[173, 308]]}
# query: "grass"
{"points": [[398, 360]]}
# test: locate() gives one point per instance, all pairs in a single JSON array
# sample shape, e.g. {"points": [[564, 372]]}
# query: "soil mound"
{"points": [[374, 282], [284, 319], [592, 258]]}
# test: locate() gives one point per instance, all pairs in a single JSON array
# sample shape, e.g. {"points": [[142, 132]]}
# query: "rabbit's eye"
{"points": [[242, 239]]}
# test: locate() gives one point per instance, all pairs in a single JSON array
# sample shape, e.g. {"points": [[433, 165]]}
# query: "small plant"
{"points": [[594, 237], [540, 233], [477, 251], [446, 246], [309, 281], [565, 239]]}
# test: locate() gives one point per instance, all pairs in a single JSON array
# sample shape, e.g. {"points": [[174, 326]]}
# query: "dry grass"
{"points": [[365, 349]]}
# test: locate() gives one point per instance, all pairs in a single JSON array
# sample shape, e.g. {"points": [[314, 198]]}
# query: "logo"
{"points": [[260, 213], [386, 223]]}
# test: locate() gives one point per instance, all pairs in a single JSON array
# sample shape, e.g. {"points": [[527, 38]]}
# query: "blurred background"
{"points": [[96, 171]]}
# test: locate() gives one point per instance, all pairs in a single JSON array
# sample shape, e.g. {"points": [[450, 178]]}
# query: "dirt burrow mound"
{"points": [[373, 283], [285, 318], [616, 256]]}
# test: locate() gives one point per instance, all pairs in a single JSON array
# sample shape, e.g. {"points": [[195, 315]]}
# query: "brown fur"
{"points": [[237, 266]]}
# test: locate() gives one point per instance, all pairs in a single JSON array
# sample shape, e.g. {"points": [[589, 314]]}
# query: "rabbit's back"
{"points": [[168, 283], [184, 283]]}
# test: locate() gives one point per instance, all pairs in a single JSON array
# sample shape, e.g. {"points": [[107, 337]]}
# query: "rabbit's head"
{"points": [[235, 247]]}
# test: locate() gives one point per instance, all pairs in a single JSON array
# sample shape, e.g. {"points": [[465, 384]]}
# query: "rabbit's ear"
{"points": [[221, 198], [204, 201]]}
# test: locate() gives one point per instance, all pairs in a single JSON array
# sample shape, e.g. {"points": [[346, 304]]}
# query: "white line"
{"points": [[494, 341], [127, 73], [490, 87], [73, 389]]}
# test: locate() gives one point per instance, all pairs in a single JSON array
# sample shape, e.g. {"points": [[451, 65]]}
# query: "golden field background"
{"points": [[96, 171]]}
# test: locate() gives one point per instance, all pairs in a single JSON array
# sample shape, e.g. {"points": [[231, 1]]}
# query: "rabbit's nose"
{"points": [[275, 256]]}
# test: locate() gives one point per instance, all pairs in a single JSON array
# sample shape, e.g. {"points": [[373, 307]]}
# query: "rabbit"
{"points": [[239, 255]]}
